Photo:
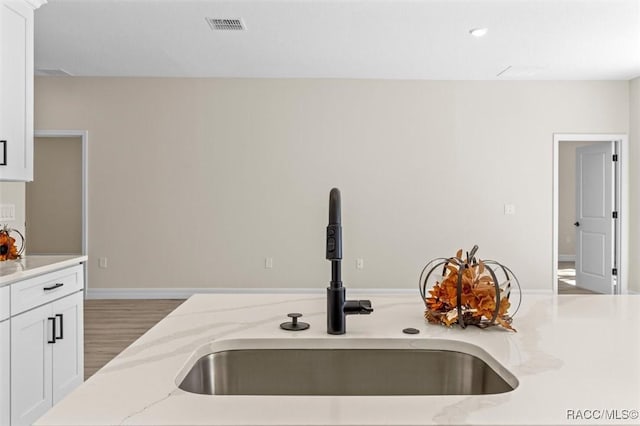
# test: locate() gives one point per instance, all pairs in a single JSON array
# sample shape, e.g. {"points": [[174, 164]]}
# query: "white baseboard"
{"points": [[537, 291], [566, 258], [185, 293]]}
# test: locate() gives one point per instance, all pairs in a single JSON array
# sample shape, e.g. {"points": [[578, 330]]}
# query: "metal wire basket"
{"points": [[8, 248], [470, 275]]}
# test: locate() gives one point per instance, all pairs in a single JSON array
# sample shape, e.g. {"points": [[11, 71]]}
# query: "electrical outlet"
{"points": [[359, 263], [102, 262], [509, 209], [268, 263]]}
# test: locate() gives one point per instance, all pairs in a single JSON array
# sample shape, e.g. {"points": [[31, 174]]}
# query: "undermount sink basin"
{"points": [[344, 371]]}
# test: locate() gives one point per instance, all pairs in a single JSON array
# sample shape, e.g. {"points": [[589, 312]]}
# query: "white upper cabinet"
{"points": [[16, 89]]}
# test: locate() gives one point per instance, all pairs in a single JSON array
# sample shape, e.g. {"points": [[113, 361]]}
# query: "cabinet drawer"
{"points": [[43, 289], [4, 302]]}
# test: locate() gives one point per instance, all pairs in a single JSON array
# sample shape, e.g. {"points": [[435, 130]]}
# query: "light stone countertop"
{"points": [[31, 266], [575, 353]]}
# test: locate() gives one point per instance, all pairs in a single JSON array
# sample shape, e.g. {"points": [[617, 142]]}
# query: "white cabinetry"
{"points": [[30, 365], [4, 373], [16, 87], [68, 351], [47, 342]]}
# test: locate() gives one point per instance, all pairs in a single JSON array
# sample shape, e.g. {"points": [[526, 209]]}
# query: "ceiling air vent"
{"points": [[226, 24]]}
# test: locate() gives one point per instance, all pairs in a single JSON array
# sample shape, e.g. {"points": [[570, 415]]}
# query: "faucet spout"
{"points": [[334, 238], [337, 305]]}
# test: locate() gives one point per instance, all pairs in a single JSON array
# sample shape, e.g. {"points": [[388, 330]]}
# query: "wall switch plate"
{"points": [[509, 209], [268, 263], [7, 212], [359, 263], [102, 262]]}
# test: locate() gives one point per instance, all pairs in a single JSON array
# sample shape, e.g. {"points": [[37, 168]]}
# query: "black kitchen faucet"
{"points": [[337, 307]]}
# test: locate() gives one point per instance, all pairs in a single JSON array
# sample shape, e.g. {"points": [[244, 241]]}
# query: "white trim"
{"points": [[622, 197], [566, 258], [84, 135], [185, 293], [537, 291], [35, 3]]}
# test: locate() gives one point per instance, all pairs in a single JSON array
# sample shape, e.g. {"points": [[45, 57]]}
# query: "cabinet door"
{"points": [[31, 386], [68, 351], [4, 373], [16, 87]]}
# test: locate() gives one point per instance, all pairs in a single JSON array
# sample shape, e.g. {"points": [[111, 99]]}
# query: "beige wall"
{"points": [[567, 196], [634, 167], [193, 182], [13, 193], [54, 198]]}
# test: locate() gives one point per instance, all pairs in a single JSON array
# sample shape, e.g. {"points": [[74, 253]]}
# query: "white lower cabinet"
{"points": [[5, 370], [46, 357], [68, 352]]}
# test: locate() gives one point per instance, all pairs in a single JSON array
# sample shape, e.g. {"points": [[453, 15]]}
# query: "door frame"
{"points": [[621, 195], [84, 136]]}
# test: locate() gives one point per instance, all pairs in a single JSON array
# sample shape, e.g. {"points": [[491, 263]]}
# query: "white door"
{"points": [[594, 217], [31, 334], [68, 351]]}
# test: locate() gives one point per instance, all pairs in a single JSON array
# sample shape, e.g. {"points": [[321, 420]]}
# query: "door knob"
{"points": [[577, 224]]}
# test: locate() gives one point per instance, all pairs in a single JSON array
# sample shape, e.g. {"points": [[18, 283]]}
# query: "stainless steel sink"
{"points": [[343, 372]]}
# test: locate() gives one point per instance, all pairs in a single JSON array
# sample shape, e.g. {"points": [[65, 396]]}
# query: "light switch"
{"points": [[359, 263], [268, 263], [7, 212]]}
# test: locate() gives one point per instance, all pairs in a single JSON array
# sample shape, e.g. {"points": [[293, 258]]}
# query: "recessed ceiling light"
{"points": [[478, 32]]}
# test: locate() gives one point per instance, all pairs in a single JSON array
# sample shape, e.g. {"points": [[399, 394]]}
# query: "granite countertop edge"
{"points": [[30, 266]]}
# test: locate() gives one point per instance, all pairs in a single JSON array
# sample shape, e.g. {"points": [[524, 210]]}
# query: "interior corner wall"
{"points": [[194, 182], [14, 193], [634, 178]]}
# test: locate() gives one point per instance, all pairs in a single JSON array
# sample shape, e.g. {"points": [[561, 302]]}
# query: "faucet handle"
{"points": [[361, 307], [365, 307]]}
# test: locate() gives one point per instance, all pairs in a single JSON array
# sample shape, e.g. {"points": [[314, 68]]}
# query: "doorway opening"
{"points": [[55, 199], [589, 251]]}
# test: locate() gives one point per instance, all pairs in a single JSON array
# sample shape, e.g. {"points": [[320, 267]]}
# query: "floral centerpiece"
{"points": [[8, 248], [469, 291]]}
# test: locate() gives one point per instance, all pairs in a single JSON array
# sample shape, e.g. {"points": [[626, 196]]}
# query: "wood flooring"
{"points": [[112, 325], [567, 279]]}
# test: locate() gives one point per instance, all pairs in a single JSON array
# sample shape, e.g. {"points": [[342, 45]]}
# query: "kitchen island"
{"points": [[576, 360]]}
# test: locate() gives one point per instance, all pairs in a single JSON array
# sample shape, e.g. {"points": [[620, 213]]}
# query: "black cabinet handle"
{"points": [[576, 224], [53, 331], [4, 153], [53, 287], [61, 336]]}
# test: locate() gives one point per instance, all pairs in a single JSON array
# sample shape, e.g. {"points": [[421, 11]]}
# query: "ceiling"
{"points": [[381, 39]]}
